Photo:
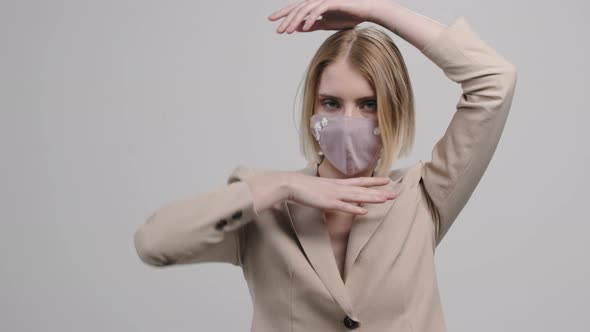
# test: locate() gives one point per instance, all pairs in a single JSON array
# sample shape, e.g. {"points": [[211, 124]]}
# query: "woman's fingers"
{"points": [[289, 17], [346, 207], [365, 181], [339, 194], [336, 15], [280, 13], [376, 196], [314, 27], [296, 16], [302, 12], [365, 199], [359, 190], [313, 16], [347, 203]]}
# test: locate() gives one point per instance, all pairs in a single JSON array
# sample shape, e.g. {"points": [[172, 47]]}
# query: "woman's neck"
{"points": [[326, 170]]}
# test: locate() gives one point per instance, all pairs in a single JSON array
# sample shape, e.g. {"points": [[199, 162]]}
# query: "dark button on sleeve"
{"points": [[350, 323], [220, 224], [237, 215], [168, 262]]}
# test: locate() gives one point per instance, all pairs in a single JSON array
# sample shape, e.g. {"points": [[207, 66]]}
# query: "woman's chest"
{"points": [[292, 270], [339, 225]]}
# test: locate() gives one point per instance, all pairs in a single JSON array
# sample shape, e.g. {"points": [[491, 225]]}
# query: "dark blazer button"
{"points": [[350, 323], [220, 224], [168, 261], [237, 215]]}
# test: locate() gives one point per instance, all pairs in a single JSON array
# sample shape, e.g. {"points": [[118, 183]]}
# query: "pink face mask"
{"points": [[351, 144]]}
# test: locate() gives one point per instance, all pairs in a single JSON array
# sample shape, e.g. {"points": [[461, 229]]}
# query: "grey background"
{"points": [[109, 109]]}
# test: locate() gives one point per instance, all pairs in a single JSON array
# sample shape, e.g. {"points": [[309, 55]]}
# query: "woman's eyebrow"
{"points": [[323, 95]]}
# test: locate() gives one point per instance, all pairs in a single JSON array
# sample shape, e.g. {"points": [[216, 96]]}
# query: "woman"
{"points": [[345, 242]]}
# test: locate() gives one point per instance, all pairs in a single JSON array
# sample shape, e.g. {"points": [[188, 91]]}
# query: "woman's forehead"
{"points": [[341, 80]]}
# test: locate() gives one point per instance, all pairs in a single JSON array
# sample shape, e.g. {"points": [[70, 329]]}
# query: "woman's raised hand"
{"points": [[337, 194], [335, 14]]}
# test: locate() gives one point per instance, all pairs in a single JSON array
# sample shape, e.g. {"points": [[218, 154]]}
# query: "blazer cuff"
{"points": [[244, 211], [241, 198]]}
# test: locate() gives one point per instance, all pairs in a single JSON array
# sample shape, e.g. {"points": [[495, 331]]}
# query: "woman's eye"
{"points": [[328, 103], [331, 104], [372, 105]]}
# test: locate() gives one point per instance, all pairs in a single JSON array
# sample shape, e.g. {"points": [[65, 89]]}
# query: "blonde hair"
{"points": [[375, 55]]}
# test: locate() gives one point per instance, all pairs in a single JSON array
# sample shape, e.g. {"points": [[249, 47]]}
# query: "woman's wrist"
{"points": [[269, 189], [413, 27], [384, 14]]}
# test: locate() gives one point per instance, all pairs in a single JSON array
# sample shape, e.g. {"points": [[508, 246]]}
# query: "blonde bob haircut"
{"points": [[374, 54]]}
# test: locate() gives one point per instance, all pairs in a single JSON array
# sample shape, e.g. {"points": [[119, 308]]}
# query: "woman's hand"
{"points": [[335, 14], [337, 194]]}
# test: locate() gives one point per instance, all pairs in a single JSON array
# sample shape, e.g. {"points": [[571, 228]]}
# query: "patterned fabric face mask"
{"points": [[351, 144]]}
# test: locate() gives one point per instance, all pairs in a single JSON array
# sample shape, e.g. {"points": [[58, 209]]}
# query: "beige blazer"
{"points": [[390, 280]]}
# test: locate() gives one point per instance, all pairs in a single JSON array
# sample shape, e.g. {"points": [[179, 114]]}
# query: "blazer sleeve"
{"points": [[205, 228], [461, 156]]}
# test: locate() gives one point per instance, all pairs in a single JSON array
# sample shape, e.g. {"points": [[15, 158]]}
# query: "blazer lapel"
{"points": [[315, 240], [364, 225], [399, 211]]}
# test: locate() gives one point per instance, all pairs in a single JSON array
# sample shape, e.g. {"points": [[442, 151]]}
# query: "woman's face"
{"points": [[343, 90]]}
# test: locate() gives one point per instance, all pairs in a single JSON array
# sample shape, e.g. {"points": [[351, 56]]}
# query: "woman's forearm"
{"points": [[415, 28]]}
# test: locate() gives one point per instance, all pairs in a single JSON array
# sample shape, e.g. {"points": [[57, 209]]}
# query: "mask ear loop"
{"points": [[378, 162], [322, 156], [377, 132]]}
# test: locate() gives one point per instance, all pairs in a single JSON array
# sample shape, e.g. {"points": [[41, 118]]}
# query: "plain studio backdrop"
{"points": [[110, 109]]}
